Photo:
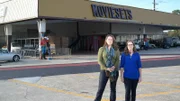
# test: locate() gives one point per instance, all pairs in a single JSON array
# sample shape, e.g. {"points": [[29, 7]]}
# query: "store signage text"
{"points": [[111, 12]]}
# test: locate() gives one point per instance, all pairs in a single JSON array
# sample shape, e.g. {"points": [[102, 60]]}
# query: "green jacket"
{"points": [[102, 58]]}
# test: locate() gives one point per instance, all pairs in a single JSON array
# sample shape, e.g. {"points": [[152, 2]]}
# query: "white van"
{"points": [[15, 47]]}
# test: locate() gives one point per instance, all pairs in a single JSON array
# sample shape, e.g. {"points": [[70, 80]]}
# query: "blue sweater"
{"points": [[131, 65]]}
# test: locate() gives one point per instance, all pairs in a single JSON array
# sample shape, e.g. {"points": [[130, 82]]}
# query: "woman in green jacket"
{"points": [[108, 59]]}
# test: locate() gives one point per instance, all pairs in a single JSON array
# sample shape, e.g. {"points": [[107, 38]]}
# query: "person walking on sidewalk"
{"points": [[43, 48], [108, 59], [130, 70], [48, 50]]}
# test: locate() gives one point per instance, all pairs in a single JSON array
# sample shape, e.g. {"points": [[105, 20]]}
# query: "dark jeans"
{"points": [[43, 56], [146, 47], [103, 79], [130, 87]]}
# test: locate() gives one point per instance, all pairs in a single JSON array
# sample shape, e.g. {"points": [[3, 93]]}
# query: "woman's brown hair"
{"points": [[114, 45], [126, 51]]}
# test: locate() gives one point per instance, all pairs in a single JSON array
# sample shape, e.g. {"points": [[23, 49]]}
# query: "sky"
{"points": [[162, 5]]}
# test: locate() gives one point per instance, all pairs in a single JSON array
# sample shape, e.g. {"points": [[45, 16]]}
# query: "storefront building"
{"points": [[79, 25]]}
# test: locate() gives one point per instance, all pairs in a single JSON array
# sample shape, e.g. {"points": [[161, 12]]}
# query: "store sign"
{"points": [[111, 12], [2, 11]]}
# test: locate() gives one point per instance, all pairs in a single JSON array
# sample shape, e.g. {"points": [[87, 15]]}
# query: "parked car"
{"points": [[137, 41], [137, 46], [167, 42], [152, 46], [176, 41], [121, 45], [5, 55]]}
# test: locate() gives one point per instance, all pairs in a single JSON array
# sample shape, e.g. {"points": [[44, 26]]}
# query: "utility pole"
{"points": [[154, 3], [157, 3]]}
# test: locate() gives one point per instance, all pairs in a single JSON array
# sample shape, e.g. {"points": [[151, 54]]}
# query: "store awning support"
{"points": [[42, 29], [8, 33]]}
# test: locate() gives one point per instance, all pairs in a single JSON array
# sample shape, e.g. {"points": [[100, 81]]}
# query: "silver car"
{"points": [[5, 55]]}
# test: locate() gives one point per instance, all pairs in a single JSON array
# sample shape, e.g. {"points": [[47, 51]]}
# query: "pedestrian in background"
{"points": [[48, 51], [43, 48]]}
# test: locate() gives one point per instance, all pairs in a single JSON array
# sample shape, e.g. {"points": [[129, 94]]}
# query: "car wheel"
{"points": [[16, 58]]}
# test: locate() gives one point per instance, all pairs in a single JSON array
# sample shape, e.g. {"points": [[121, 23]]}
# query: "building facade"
{"points": [[79, 25]]}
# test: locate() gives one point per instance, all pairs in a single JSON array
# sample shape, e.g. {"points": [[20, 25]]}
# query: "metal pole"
{"points": [[154, 5]]}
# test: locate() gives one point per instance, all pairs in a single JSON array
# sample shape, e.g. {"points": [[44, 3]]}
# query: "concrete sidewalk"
{"points": [[67, 60], [161, 51]]}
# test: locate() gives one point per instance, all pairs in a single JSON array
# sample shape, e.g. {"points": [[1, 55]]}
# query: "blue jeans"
{"points": [[43, 49], [103, 79]]}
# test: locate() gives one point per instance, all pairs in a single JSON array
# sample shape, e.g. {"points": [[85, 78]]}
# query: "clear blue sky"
{"points": [[163, 5]]}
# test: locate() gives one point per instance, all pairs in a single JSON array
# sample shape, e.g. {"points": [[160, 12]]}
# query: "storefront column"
{"points": [[8, 33], [144, 32], [42, 29]]}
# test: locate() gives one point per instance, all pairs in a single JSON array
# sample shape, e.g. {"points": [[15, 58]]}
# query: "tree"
{"points": [[176, 12], [174, 33]]}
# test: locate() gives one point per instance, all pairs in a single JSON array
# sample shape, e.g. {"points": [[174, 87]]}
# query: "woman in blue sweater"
{"points": [[130, 70]]}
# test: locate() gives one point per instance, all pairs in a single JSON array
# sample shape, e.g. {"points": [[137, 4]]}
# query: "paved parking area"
{"points": [[159, 84]]}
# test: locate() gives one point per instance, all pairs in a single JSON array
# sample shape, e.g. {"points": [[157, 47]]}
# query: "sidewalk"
{"points": [[161, 51], [70, 59], [67, 60]]}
